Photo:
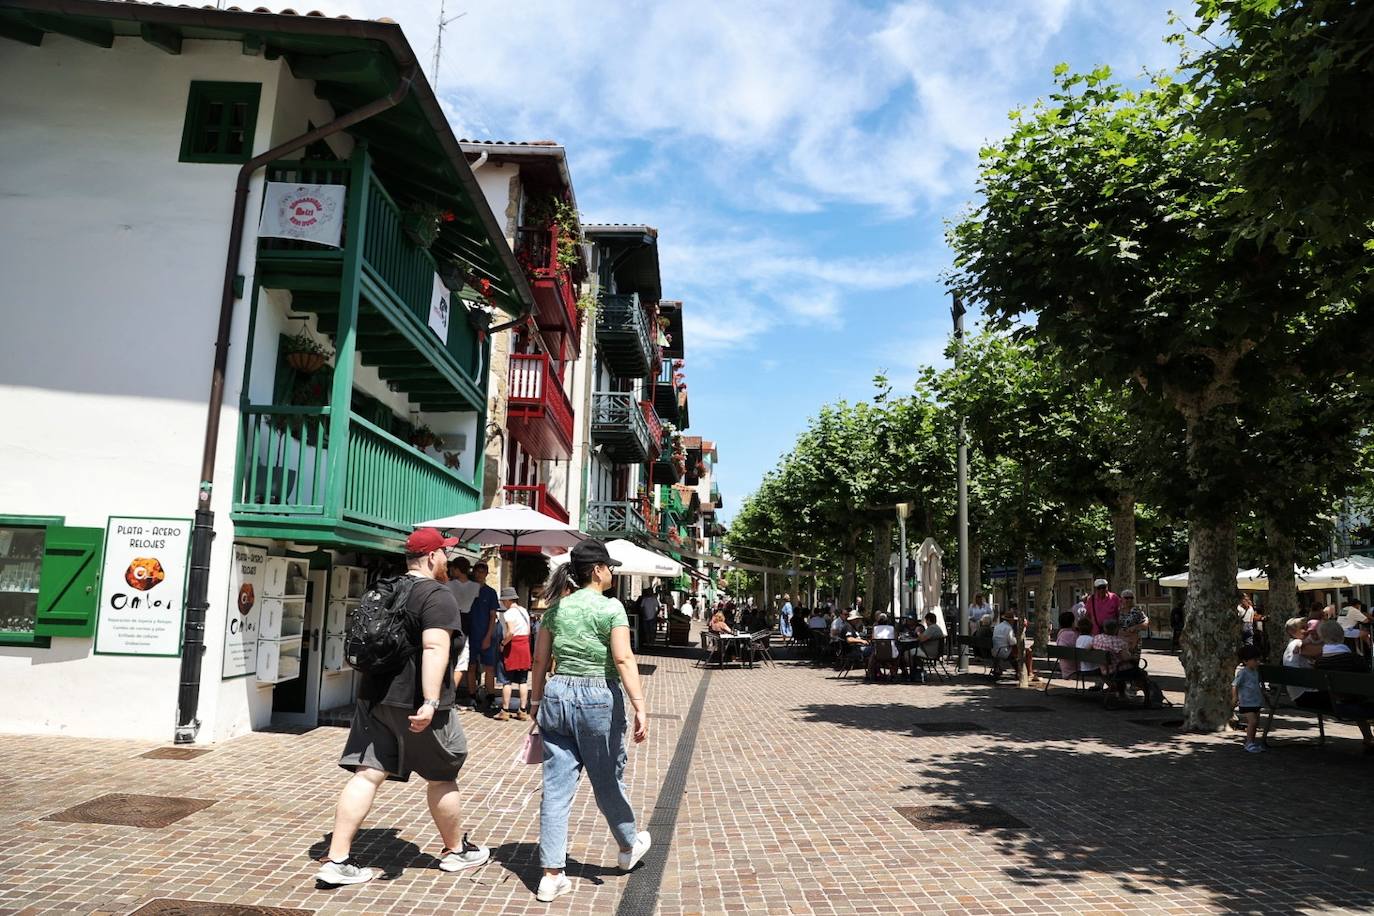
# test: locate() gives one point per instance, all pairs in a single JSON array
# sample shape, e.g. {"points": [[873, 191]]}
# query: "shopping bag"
{"points": [[533, 749]]}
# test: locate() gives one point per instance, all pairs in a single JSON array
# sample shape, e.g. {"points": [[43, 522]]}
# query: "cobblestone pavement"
{"points": [[794, 801]]}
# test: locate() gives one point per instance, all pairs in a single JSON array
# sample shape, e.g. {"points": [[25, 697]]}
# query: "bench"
{"points": [[1335, 683], [1080, 657]]}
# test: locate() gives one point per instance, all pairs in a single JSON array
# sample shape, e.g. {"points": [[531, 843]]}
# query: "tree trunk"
{"points": [[850, 559], [1212, 629], [1022, 671], [1123, 539], [880, 572], [1044, 596], [1282, 600]]}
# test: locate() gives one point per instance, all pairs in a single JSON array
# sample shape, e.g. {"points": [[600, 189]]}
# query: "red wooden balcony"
{"points": [[538, 413], [536, 497], [655, 427], [554, 296]]}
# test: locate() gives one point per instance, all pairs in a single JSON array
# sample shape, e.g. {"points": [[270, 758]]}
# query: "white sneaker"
{"points": [[470, 856], [551, 887], [346, 872], [629, 860]]}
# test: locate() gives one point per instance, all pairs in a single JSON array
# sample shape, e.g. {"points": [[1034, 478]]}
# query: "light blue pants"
{"points": [[582, 720]]}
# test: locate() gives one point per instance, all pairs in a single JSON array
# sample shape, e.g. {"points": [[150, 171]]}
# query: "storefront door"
{"points": [[296, 702]]}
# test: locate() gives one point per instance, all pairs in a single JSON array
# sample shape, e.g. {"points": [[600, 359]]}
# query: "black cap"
{"points": [[590, 552]]}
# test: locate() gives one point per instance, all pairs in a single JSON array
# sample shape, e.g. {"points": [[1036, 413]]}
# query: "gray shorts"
{"points": [[380, 739]]}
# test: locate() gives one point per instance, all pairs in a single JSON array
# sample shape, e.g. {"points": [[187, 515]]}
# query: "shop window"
{"points": [[49, 577], [220, 120]]}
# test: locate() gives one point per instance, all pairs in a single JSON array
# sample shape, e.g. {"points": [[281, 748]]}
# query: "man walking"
{"points": [[404, 723], [464, 592], [481, 651]]}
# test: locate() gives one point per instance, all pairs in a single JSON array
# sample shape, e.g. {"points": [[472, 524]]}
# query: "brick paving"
{"points": [[790, 806]]}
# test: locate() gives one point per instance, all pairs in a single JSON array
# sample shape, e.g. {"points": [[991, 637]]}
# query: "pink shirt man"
{"points": [[1102, 605]]}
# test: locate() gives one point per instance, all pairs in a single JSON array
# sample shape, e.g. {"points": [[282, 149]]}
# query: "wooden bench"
{"points": [[1335, 683]]}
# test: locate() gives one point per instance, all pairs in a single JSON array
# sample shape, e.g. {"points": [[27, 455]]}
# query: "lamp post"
{"points": [[957, 313], [903, 510]]}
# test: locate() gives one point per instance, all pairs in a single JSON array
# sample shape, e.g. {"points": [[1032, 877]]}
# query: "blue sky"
{"points": [[799, 160]]}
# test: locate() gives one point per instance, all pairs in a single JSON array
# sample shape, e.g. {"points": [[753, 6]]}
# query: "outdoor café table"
{"points": [[735, 642]]}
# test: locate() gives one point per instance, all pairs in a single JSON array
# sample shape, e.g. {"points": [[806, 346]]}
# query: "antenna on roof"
{"points": [[439, 43]]}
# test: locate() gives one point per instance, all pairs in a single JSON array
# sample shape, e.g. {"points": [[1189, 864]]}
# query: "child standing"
{"points": [[1247, 695]]}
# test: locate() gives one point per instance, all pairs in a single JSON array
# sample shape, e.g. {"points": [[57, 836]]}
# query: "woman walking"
{"points": [[580, 711]]}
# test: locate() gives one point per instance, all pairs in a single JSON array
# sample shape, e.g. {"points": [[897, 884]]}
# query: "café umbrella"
{"points": [[634, 560], [508, 526], [1258, 580]]}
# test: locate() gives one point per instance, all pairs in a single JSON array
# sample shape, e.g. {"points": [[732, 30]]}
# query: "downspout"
{"points": [[203, 532]]}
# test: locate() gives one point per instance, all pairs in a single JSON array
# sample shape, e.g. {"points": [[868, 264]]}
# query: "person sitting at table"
{"points": [[883, 628], [1004, 642], [817, 621], [718, 624], [930, 636], [1083, 626], [1134, 622]]}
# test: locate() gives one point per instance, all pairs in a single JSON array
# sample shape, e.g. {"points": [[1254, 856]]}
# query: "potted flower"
{"points": [[422, 437], [701, 469], [421, 222], [305, 354]]}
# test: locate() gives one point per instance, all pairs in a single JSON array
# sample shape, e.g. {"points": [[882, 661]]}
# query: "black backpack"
{"points": [[382, 635]]}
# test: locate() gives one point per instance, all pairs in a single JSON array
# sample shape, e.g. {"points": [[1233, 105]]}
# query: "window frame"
{"points": [[29, 521], [203, 92]]}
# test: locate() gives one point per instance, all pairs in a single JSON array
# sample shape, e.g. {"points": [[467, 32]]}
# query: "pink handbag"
{"points": [[533, 749]]}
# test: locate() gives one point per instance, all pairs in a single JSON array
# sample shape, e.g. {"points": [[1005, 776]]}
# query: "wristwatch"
{"points": [[434, 703]]}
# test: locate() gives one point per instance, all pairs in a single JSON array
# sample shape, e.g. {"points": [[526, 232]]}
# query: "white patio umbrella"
{"points": [[1257, 580], [634, 560], [1354, 570], [508, 526]]}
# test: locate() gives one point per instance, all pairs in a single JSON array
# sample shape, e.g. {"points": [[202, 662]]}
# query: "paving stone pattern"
{"points": [[800, 798]]}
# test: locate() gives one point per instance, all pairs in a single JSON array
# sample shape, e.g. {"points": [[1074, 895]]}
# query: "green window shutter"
{"points": [[70, 587]]}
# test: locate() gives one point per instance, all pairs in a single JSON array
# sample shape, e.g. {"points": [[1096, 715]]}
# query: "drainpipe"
{"points": [[203, 532]]}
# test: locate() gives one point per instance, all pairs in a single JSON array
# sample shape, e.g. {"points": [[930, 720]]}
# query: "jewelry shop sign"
{"points": [[143, 586], [244, 611]]}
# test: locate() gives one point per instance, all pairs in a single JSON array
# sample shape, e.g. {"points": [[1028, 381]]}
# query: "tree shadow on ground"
{"points": [[522, 861], [1165, 817], [380, 847]]}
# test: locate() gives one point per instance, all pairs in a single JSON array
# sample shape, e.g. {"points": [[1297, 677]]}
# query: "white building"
{"points": [[118, 166]]}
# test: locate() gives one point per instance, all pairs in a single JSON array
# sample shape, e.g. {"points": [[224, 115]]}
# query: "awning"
{"points": [[1258, 580]]}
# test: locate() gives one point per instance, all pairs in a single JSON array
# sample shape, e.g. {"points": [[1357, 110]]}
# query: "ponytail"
{"points": [[564, 574]]}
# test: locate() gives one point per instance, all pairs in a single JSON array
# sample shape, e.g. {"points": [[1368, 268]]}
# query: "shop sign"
{"points": [[243, 611], [309, 212], [143, 586], [439, 311]]}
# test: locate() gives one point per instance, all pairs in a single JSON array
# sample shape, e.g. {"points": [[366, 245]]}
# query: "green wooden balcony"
{"points": [[303, 476], [623, 336], [393, 280], [616, 519]]}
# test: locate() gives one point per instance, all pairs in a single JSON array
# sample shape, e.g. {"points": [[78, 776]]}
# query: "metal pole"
{"points": [[957, 311], [902, 510]]}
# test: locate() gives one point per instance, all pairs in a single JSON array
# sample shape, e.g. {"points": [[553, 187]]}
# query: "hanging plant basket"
{"points": [[306, 363]]}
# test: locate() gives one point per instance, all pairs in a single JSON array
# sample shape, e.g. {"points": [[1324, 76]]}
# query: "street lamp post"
{"points": [[957, 313], [903, 510]]}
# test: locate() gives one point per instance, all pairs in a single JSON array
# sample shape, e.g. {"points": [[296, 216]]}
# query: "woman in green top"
{"points": [[581, 710]]}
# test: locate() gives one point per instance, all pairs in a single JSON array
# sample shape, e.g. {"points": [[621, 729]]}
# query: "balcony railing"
{"points": [[290, 471], [536, 497], [616, 517], [536, 248], [539, 412], [622, 330], [655, 426], [620, 425]]}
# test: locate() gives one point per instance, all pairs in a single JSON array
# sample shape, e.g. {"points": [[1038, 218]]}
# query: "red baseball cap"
{"points": [[427, 540]]}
